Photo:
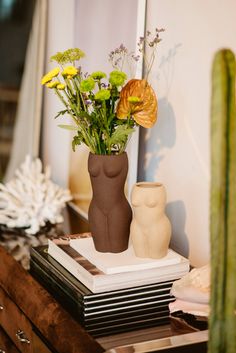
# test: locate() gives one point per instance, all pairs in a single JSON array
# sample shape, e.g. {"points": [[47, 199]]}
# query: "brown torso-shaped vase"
{"points": [[109, 212]]}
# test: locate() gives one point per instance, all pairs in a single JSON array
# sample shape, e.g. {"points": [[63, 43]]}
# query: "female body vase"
{"points": [[150, 228], [109, 212]]}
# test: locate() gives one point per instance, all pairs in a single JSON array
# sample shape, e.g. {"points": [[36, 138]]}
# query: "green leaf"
{"points": [[120, 135], [110, 118], [120, 121], [62, 112], [77, 140], [68, 127], [83, 114]]}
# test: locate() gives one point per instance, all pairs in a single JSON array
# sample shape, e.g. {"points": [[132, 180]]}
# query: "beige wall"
{"points": [[176, 151]]}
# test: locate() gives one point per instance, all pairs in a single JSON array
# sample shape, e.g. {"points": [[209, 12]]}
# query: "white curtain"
{"points": [[28, 117]]}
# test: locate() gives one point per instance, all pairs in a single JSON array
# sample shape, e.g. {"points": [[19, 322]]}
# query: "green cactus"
{"points": [[222, 323]]}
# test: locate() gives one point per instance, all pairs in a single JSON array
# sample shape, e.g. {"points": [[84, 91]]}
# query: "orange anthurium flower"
{"points": [[143, 108]]}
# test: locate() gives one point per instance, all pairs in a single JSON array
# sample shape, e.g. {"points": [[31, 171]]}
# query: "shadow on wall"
{"points": [[176, 213], [154, 142], [154, 145]]}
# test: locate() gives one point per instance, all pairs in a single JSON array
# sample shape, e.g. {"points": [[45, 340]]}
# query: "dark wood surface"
{"points": [[6, 344], [53, 322]]}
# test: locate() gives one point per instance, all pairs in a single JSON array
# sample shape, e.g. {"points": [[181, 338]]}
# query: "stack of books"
{"points": [[107, 293]]}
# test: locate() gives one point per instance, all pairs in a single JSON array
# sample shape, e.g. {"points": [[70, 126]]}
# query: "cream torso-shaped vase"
{"points": [[150, 229]]}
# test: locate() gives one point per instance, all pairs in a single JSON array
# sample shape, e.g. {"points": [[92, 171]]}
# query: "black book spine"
{"points": [[99, 324], [100, 327], [55, 270]]}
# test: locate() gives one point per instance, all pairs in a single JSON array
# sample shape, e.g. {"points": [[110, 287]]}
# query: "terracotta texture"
{"points": [[150, 229], [109, 212]]}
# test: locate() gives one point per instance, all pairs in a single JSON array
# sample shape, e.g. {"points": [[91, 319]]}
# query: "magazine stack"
{"points": [[107, 293]]}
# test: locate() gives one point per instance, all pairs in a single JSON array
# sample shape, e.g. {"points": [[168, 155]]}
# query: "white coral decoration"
{"points": [[31, 199]]}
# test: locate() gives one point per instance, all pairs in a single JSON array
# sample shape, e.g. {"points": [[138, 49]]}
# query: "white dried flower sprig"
{"points": [[31, 199]]}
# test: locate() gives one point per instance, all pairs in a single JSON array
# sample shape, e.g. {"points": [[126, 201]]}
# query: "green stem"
{"points": [[68, 84], [77, 93], [150, 64], [81, 128]]}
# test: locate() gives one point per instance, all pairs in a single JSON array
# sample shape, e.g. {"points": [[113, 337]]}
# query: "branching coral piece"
{"points": [[31, 199]]}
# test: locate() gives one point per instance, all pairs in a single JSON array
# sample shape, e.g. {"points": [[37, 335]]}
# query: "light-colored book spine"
{"points": [[72, 261]]}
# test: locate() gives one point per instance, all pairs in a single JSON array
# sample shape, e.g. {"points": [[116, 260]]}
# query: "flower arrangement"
{"points": [[104, 110]]}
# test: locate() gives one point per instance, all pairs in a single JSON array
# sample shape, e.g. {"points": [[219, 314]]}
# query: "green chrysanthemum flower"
{"points": [[103, 95], [98, 75], [117, 78], [87, 85]]}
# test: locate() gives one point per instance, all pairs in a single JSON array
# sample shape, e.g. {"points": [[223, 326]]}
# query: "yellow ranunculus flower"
{"points": [[52, 84], [49, 76], [61, 86], [69, 71]]}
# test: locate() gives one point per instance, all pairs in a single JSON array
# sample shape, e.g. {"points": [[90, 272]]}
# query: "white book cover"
{"points": [[125, 261], [98, 281]]}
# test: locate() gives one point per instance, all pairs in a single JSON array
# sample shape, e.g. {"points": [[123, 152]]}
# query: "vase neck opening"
{"points": [[147, 185]]}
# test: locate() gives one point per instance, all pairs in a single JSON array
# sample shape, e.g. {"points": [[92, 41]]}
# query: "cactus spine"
{"points": [[223, 205]]}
